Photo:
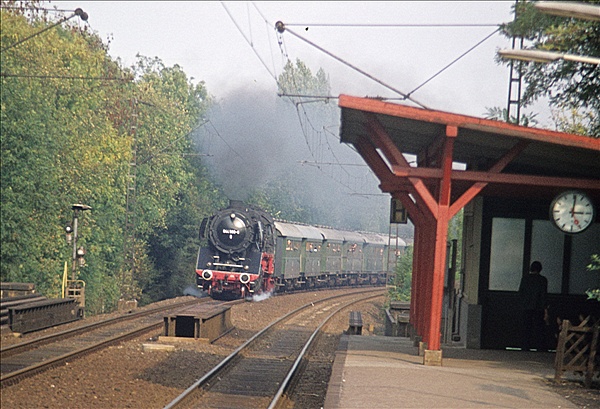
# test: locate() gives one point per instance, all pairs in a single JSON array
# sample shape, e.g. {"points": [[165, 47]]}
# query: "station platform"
{"points": [[387, 372]]}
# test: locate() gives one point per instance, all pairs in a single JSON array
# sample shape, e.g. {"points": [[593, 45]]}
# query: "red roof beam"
{"points": [[468, 122]]}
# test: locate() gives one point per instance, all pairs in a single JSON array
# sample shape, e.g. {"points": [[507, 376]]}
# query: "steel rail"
{"points": [[210, 374], [292, 371], [47, 339], [42, 366], [15, 376]]}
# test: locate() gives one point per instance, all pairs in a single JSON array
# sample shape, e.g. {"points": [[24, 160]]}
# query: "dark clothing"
{"points": [[533, 291]]}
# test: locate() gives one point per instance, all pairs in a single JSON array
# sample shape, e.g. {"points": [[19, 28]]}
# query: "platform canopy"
{"points": [[456, 158]]}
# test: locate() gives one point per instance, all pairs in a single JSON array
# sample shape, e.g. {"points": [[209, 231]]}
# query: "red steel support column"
{"points": [[441, 235]]}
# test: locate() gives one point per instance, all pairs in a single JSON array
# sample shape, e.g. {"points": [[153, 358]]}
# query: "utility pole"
{"points": [[128, 272]]}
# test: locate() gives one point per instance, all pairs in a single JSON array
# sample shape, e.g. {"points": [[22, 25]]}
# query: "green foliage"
{"points": [[171, 201], [501, 114], [567, 84], [594, 266], [403, 279], [66, 140], [56, 140], [573, 121], [283, 201], [299, 80], [309, 93]]}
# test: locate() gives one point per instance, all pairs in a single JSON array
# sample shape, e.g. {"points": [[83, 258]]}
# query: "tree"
{"points": [[280, 199], [594, 268], [56, 140], [66, 138], [169, 201], [568, 85], [501, 114], [402, 283], [327, 182]]}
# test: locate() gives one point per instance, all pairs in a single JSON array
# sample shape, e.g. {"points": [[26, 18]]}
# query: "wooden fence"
{"points": [[577, 350]]}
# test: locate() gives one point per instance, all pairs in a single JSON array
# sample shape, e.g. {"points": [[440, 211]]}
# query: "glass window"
{"points": [[292, 245], [312, 247], [506, 258], [334, 247], [547, 245], [584, 245]]}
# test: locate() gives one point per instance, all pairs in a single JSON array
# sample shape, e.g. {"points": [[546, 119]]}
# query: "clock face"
{"points": [[572, 211]]}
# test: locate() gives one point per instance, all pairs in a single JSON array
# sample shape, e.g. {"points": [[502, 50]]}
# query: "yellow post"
{"points": [[64, 280]]}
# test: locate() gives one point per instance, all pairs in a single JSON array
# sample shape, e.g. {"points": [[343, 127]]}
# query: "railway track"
{"points": [[258, 373], [31, 357]]}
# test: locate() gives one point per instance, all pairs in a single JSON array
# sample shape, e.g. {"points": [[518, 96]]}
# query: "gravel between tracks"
{"points": [[127, 376]]}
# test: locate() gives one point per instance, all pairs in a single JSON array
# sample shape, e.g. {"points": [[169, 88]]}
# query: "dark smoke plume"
{"points": [[255, 137]]}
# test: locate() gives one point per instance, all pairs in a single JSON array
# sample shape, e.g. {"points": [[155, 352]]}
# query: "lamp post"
{"points": [[563, 9], [546, 56], [569, 9]]}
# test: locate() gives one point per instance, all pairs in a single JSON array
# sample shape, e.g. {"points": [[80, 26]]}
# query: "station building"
{"points": [[512, 183]]}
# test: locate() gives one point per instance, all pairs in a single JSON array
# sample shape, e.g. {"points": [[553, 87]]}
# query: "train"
{"points": [[248, 253]]}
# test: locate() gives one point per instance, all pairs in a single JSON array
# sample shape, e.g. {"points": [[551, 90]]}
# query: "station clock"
{"points": [[572, 211]]}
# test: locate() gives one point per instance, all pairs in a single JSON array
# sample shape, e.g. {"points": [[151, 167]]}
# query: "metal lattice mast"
{"points": [[128, 272], [515, 82]]}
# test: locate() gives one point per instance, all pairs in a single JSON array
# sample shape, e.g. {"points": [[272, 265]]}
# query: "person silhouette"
{"points": [[533, 291]]}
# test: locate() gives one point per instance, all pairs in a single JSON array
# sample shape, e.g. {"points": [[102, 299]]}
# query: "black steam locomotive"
{"points": [[249, 253]]}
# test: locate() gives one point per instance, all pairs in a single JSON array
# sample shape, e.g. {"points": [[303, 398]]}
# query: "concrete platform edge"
{"points": [[336, 379]]}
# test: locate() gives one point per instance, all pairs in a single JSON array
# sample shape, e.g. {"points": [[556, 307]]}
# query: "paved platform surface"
{"points": [[385, 372]]}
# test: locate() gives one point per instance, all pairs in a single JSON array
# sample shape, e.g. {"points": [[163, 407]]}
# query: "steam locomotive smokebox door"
{"points": [[206, 322], [230, 231]]}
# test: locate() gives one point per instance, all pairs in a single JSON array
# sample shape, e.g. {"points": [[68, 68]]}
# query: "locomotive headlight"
{"points": [[246, 268], [245, 278], [207, 275], [209, 264]]}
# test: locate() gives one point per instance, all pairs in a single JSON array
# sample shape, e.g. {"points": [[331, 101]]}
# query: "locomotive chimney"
{"points": [[236, 203]]}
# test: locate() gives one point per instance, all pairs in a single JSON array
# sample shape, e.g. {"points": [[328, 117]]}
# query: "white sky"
{"points": [[207, 43], [203, 39]]}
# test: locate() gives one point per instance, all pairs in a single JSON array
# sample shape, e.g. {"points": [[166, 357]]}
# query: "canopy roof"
{"points": [[547, 161]]}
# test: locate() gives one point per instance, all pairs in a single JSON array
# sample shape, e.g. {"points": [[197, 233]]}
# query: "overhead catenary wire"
{"points": [[391, 25], [224, 140], [268, 28], [150, 157], [280, 27], [62, 77], [78, 12], [315, 141], [454, 61], [249, 41]]}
